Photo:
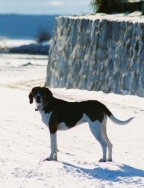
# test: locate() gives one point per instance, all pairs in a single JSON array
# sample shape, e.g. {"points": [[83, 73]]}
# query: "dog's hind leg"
{"points": [[105, 137], [57, 147], [95, 128]]}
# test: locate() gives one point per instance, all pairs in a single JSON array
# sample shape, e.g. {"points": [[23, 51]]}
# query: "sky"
{"points": [[62, 7]]}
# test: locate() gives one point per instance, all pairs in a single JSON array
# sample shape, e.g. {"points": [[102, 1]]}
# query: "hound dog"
{"points": [[59, 114]]}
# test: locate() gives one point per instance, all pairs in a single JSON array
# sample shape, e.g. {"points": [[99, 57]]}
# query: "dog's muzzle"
{"points": [[38, 99]]}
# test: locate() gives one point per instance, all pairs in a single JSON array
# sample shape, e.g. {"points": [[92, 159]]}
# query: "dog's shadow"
{"points": [[99, 172]]}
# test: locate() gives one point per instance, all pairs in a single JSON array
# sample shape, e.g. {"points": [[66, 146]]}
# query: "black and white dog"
{"points": [[59, 114]]}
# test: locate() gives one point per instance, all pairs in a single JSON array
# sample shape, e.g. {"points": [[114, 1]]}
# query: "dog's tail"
{"points": [[114, 119], [120, 122]]}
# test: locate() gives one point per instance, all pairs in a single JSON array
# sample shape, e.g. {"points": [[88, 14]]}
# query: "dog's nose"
{"points": [[38, 99]]}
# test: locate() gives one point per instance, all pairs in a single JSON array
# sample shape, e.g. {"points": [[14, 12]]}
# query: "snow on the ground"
{"points": [[22, 70], [24, 140]]}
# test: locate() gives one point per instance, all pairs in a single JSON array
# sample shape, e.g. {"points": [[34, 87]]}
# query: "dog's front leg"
{"points": [[53, 141]]}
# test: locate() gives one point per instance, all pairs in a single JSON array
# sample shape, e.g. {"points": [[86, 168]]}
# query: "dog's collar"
{"points": [[39, 106], [42, 106]]}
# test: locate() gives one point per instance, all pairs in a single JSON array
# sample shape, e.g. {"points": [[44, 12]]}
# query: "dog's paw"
{"points": [[52, 158], [109, 160], [49, 159], [102, 160]]}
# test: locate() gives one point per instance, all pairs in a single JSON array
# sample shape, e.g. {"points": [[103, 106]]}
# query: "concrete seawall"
{"points": [[101, 53]]}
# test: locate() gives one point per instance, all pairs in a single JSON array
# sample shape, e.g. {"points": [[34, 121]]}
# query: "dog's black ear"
{"points": [[31, 98], [48, 97]]}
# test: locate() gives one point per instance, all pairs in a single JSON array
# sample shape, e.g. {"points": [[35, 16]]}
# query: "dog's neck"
{"points": [[46, 107], [40, 106]]}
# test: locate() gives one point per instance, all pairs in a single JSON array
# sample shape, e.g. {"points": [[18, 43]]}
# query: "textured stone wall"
{"points": [[101, 53]]}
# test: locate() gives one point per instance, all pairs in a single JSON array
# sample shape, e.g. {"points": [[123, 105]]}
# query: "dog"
{"points": [[59, 114]]}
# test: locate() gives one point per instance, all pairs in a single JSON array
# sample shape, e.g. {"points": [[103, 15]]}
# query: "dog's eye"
{"points": [[42, 91], [34, 92]]}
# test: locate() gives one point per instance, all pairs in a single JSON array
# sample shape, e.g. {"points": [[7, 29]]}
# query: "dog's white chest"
{"points": [[45, 117]]}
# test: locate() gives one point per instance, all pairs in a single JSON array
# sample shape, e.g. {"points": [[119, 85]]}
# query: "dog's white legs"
{"points": [[95, 128], [57, 146], [53, 140], [105, 137]]}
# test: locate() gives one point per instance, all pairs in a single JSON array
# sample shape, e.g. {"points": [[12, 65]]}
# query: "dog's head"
{"points": [[41, 95]]}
